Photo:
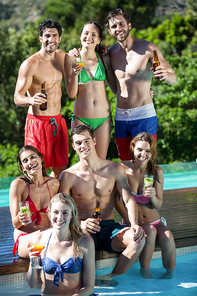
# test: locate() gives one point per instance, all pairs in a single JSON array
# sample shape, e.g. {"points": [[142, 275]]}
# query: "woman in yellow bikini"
{"points": [[91, 105]]}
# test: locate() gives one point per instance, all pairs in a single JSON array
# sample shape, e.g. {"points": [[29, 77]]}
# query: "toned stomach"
{"points": [[147, 214], [92, 101], [133, 93]]}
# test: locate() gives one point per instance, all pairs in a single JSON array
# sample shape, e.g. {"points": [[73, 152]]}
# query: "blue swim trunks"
{"points": [[129, 123], [103, 239]]}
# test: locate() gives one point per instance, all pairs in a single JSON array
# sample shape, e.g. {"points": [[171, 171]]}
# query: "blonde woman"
{"points": [[68, 259]]}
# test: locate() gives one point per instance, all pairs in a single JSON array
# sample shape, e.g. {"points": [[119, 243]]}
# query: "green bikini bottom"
{"points": [[93, 122]]}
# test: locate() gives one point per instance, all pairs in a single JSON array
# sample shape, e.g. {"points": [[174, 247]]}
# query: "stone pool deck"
{"points": [[179, 208]]}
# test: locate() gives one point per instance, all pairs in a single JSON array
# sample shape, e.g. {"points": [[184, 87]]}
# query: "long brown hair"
{"points": [[151, 165], [31, 148]]}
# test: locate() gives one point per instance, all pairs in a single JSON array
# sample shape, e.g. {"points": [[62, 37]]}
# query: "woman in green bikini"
{"points": [[91, 105]]}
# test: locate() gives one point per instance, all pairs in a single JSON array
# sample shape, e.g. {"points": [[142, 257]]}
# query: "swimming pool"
{"points": [[131, 283], [178, 175]]}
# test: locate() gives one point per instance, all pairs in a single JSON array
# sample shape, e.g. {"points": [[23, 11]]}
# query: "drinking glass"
{"points": [[82, 65], [148, 181], [24, 209], [37, 248]]}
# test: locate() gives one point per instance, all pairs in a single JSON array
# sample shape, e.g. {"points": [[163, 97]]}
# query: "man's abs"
{"points": [[133, 94]]}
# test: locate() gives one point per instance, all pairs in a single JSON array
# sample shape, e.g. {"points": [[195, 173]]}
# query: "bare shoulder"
{"points": [[70, 173], [18, 183], [31, 63], [86, 241], [114, 168], [128, 166], [113, 48], [42, 235], [54, 183], [159, 171], [70, 58]]}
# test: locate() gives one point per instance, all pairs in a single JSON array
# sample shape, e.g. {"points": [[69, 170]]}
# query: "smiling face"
{"points": [[84, 145], [90, 36], [50, 39], [60, 214], [119, 28], [30, 162], [142, 153]]}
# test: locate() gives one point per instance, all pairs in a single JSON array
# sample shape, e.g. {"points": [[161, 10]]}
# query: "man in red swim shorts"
{"points": [[45, 129]]}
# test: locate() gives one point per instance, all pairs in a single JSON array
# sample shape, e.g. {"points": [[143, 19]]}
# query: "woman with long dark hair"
{"points": [[149, 200], [35, 187], [91, 104]]}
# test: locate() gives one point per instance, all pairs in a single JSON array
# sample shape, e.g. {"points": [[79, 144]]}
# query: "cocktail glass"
{"points": [[148, 181], [24, 209], [82, 65], [37, 248]]}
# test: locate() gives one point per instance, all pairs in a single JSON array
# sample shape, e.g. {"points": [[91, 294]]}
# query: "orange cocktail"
{"points": [[37, 248], [80, 64]]}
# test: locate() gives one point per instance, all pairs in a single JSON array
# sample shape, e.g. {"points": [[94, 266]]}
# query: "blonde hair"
{"points": [[74, 227]]}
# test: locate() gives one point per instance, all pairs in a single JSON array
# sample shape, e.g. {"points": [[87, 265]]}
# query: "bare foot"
{"points": [[105, 280], [145, 273], [169, 274]]}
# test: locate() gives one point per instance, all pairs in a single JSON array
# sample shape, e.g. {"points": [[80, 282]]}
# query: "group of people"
{"points": [[62, 204]]}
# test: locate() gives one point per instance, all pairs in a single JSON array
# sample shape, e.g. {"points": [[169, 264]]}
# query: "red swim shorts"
{"points": [[50, 136]]}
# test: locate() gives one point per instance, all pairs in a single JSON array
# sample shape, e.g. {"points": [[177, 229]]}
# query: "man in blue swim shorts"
{"points": [[95, 179], [45, 129], [132, 61]]}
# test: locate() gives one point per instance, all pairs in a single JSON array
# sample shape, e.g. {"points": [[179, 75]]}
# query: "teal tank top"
{"points": [[100, 74]]}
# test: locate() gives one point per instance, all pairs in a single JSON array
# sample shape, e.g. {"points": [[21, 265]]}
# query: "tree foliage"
{"points": [[176, 105]]}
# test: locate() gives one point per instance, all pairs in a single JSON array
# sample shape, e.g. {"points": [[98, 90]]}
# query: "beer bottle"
{"points": [[156, 62], [43, 106], [97, 214]]}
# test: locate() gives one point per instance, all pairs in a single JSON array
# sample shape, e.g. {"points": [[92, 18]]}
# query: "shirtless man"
{"points": [[45, 130], [95, 179], [131, 60]]}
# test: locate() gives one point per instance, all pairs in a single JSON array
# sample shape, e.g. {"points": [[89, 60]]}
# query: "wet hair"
{"points": [[49, 23], [81, 128], [151, 165], [31, 148], [74, 227], [116, 12]]}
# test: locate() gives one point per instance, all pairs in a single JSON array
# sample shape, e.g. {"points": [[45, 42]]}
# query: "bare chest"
{"points": [[89, 186], [50, 72], [130, 65]]}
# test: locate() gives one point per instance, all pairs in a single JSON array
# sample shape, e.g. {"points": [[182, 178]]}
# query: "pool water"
{"points": [[176, 176], [183, 284]]}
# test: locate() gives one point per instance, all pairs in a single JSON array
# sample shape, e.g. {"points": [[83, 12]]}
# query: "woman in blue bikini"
{"points": [[143, 151], [68, 259], [91, 105]]}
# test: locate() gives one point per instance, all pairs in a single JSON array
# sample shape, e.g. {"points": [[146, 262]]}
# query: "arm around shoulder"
{"points": [[111, 77], [70, 77]]}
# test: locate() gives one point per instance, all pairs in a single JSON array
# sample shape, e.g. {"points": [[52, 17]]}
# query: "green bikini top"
{"points": [[99, 75]]}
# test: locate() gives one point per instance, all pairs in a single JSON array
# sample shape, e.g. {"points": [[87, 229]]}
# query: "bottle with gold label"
{"points": [[156, 62], [97, 214], [43, 106]]}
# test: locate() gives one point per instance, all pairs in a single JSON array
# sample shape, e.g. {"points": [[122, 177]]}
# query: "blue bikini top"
{"points": [[72, 265]]}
